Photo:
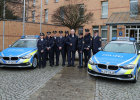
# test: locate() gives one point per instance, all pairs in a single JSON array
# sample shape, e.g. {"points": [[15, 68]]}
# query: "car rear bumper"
{"points": [[127, 77]]}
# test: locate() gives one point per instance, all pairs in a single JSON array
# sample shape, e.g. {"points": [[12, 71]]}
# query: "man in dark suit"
{"points": [[72, 47], [87, 46], [80, 48], [49, 46], [96, 43], [66, 45], [55, 48], [61, 44], [41, 50]]}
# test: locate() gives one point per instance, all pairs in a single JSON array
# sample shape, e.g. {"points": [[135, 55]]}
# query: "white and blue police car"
{"points": [[119, 59], [23, 53]]}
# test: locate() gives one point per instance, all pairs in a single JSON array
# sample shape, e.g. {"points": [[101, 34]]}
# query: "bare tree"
{"points": [[14, 9], [72, 16]]}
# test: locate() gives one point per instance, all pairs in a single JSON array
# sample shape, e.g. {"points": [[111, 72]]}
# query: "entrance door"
{"points": [[135, 34]]}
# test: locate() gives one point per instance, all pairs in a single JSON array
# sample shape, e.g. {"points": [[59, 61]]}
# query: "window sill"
{"points": [[104, 18]]}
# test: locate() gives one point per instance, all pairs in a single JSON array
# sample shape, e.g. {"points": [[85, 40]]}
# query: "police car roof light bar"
{"points": [[30, 36], [123, 39]]}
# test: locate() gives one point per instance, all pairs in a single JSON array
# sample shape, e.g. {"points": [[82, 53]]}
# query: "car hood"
{"points": [[16, 52], [111, 58]]}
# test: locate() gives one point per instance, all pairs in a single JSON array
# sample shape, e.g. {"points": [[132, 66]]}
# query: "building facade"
{"points": [[111, 18]]}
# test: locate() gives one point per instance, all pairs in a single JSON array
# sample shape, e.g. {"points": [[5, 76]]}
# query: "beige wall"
{"points": [[94, 6], [13, 31]]}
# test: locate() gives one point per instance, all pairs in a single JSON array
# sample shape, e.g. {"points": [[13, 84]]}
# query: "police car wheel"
{"points": [[136, 76], [34, 64]]}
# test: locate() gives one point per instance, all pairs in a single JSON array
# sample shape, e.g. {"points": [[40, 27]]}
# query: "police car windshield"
{"points": [[25, 43], [119, 48]]}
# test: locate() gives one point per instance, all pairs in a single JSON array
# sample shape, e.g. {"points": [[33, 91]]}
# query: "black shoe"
{"points": [[63, 65], [85, 66], [73, 65], [43, 66], [80, 66], [69, 66], [57, 65], [51, 65]]}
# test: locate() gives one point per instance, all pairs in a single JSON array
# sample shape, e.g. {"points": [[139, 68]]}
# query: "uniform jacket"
{"points": [[55, 42], [49, 42], [41, 45], [80, 46], [72, 40], [61, 42], [96, 43], [87, 41]]}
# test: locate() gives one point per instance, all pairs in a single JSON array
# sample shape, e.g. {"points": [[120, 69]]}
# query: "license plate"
{"points": [[10, 62], [107, 72]]}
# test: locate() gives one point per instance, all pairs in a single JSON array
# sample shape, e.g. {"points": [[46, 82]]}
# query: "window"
{"points": [[46, 15], [46, 1], [133, 7], [114, 31], [96, 28], [80, 30], [34, 1], [81, 9], [62, 12], [56, 0], [33, 16], [105, 9], [104, 32]]}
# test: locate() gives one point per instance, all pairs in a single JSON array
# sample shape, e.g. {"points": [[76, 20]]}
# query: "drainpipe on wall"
{"points": [[3, 22]]}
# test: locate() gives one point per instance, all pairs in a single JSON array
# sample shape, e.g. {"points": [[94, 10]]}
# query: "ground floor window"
{"points": [[104, 32], [95, 28], [80, 30], [114, 31], [133, 31]]}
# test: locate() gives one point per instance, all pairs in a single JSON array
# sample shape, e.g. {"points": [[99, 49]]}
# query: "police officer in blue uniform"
{"points": [[96, 43], [55, 48], [72, 47], [87, 46], [49, 46], [61, 44], [66, 45], [41, 50], [80, 49]]}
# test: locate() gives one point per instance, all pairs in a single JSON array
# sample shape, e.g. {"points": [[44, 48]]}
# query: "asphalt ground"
{"points": [[70, 84]]}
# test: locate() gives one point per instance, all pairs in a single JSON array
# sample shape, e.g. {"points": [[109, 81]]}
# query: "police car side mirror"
{"points": [[139, 52], [100, 49], [9, 46]]}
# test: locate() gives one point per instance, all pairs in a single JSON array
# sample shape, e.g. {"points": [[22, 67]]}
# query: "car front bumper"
{"points": [[22, 65], [128, 77]]}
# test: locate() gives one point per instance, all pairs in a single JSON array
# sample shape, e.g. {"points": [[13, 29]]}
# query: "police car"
{"points": [[119, 59], [23, 53]]}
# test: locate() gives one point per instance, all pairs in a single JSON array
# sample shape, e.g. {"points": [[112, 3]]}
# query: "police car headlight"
{"points": [[91, 62], [130, 66], [26, 57]]}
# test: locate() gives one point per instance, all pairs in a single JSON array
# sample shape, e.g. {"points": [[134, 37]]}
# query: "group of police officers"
{"points": [[67, 45]]}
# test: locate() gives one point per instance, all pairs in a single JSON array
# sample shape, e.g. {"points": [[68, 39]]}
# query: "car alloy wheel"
{"points": [[34, 62]]}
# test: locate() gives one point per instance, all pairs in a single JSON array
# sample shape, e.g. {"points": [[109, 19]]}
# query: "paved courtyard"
{"points": [[58, 83], [18, 84]]}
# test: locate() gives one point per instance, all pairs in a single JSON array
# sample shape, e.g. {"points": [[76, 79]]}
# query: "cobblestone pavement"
{"points": [[70, 84], [18, 84], [109, 89]]}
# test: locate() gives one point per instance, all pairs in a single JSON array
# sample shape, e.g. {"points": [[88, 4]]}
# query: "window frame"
{"points": [[104, 14], [46, 15]]}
